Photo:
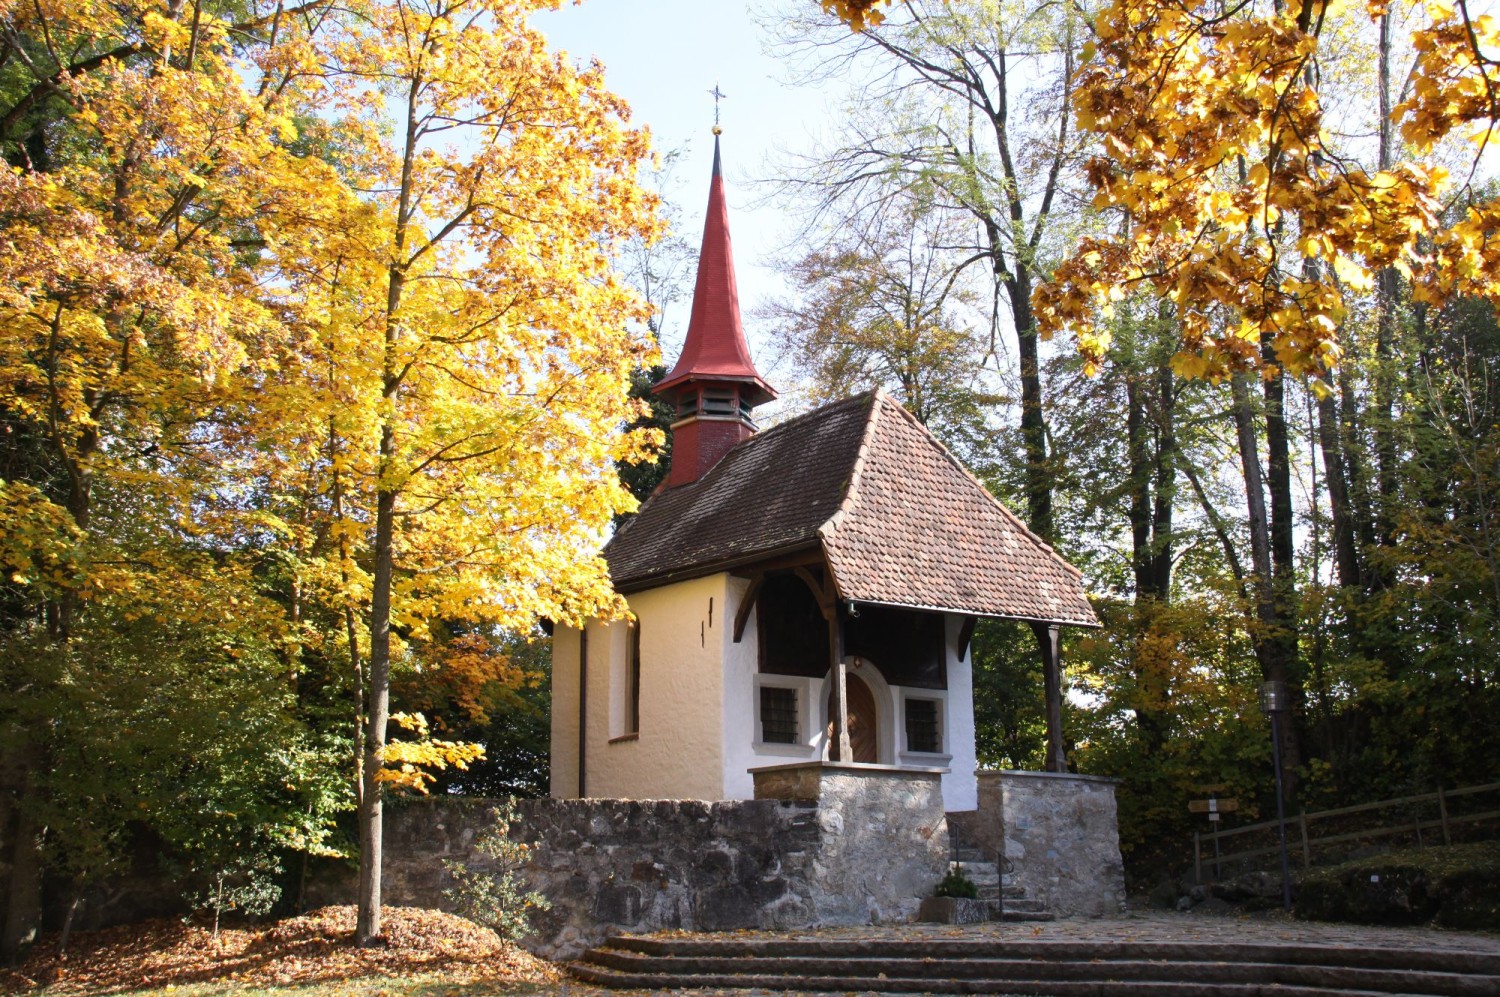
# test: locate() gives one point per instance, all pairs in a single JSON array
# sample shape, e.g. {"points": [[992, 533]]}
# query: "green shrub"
{"points": [[497, 897], [1456, 887], [956, 884]]}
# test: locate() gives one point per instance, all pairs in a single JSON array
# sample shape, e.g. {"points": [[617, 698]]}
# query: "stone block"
{"points": [[953, 910]]}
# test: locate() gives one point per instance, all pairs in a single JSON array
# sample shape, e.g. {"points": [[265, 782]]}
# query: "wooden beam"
{"points": [[807, 557], [1046, 635], [840, 690], [747, 603]]}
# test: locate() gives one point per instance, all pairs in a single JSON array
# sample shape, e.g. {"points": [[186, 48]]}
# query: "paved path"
{"points": [[1155, 926]]}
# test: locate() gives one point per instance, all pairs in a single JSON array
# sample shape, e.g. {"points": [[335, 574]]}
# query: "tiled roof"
{"points": [[898, 518]]}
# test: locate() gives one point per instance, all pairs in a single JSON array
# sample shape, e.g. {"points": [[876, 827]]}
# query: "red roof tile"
{"points": [[899, 520]]}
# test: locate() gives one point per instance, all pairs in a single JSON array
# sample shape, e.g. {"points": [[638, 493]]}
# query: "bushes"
{"points": [[1455, 887], [492, 892]]}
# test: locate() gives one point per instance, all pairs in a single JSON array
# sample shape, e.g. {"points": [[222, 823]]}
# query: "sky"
{"points": [[664, 57]]}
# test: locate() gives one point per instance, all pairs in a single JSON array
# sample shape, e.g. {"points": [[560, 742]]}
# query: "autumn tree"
{"points": [[149, 146], [965, 107], [882, 305], [467, 347]]}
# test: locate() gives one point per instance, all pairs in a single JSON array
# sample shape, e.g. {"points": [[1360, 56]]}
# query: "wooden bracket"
{"points": [[821, 590], [742, 615], [966, 635]]}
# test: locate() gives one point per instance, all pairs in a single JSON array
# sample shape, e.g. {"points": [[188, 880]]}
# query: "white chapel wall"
{"points": [[564, 754], [677, 752], [960, 787]]}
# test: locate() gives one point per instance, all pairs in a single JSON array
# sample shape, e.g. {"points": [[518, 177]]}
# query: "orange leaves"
{"points": [[1456, 78], [1212, 133], [858, 14]]}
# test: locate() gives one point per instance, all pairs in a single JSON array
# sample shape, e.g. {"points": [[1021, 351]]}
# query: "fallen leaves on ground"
{"points": [[314, 948]]}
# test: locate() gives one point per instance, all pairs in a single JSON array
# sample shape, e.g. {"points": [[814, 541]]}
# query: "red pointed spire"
{"points": [[715, 348]]}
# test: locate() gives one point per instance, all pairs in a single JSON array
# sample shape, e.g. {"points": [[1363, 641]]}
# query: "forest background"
{"points": [[318, 323]]}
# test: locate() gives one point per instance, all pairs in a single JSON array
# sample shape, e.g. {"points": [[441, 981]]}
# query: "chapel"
{"points": [[804, 593]]}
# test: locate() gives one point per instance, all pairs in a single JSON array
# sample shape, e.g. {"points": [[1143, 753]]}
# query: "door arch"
{"points": [[864, 722]]}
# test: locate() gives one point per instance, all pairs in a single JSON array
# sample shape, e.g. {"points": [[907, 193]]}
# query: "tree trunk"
{"points": [[1387, 288], [23, 908], [1033, 421], [371, 809], [1345, 546], [1165, 483], [378, 705], [1268, 635]]}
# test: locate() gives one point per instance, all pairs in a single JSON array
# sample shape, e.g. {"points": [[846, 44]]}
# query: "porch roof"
{"points": [[898, 518]]}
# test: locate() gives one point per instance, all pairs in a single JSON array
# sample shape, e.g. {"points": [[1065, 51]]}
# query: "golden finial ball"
{"points": [[718, 130]]}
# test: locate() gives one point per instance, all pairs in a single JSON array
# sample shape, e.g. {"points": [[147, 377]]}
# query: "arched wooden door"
{"points": [[864, 723]]}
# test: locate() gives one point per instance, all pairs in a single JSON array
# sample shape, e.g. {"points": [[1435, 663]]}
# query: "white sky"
{"points": [[664, 56]]}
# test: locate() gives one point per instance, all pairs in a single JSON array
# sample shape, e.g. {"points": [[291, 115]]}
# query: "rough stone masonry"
{"points": [[844, 846], [824, 844]]}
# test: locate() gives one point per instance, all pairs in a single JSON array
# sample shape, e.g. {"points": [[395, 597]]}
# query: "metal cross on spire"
{"points": [[717, 95]]}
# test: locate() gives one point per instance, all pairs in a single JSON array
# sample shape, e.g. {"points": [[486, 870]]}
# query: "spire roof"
{"points": [[715, 348]]}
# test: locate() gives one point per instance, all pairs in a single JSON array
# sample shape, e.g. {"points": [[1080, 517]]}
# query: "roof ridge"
{"points": [[851, 489], [1014, 519], [821, 410]]}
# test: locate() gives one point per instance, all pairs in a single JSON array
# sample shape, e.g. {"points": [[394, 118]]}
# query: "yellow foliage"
{"points": [[1212, 143], [408, 764]]}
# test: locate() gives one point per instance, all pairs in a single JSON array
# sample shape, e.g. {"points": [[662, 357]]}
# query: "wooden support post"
{"points": [[840, 688], [1306, 846], [1443, 815], [1046, 635]]}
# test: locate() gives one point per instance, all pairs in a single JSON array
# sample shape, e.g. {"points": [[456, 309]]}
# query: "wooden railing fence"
{"points": [[1450, 812]]}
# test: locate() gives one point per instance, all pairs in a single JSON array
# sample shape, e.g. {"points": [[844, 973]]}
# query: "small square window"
{"points": [[922, 730], [778, 715]]}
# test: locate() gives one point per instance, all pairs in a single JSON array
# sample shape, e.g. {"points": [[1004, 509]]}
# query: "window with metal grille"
{"points": [[922, 730], [778, 715]]}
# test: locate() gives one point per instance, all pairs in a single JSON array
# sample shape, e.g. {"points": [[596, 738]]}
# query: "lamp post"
{"points": [[1273, 703]]}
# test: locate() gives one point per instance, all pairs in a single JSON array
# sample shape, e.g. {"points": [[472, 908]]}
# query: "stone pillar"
{"points": [[1060, 839], [884, 841]]}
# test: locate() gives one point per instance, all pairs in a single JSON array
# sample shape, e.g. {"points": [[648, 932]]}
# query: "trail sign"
{"points": [[1213, 806]]}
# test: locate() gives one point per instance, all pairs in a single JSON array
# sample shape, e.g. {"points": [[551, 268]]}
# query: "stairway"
{"points": [[1006, 902], [1067, 968]]}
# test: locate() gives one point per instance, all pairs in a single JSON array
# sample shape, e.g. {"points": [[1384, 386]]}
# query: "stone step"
{"points": [[1037, 966], [994, 891], [967, 855], [1009, 915], [1020, 905], [1014, 986], [977, 870]]}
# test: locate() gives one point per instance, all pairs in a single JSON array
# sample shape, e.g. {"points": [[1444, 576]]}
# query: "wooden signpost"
{"points": [[1213, 806]]}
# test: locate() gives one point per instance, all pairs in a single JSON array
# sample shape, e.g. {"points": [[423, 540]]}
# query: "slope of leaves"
{"points": [[312, 950]]}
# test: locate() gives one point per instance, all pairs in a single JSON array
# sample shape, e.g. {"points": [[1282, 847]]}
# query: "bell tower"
{"points": [[715, 385]]}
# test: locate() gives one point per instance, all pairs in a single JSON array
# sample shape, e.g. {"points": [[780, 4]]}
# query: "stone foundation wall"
{"points": [[852, 846], [884, 841], [1059, 835]]}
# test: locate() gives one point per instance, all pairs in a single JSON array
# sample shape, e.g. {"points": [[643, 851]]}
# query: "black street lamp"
{"points": [[1273, 703]]}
